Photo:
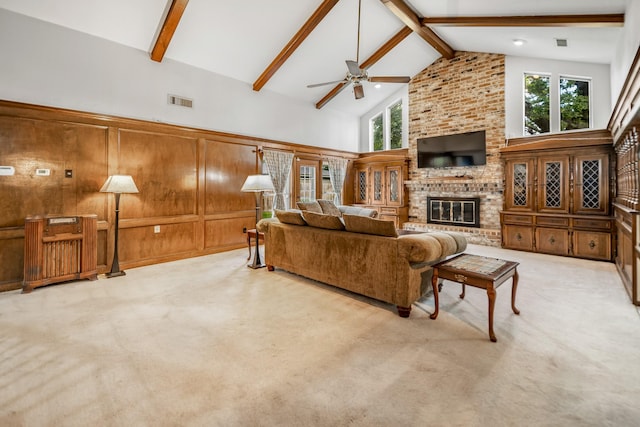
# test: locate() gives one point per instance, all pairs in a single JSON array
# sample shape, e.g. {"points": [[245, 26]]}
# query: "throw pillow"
{"points": [[356, 210], [323, 221], [366, 225], [313, 206], [290, 217], [329, 208]]}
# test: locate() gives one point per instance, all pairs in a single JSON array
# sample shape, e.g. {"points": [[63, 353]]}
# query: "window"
{"points": [[574, 103], [377, 132], [385, 128], [307, 183], [395, 125], [536, 104]]}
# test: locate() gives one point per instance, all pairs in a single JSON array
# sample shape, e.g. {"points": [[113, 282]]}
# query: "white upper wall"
{"points": [[516, 67], [50, 65], [626, 49]]}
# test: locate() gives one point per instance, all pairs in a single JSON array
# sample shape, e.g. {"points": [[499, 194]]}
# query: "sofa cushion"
{"points": [[323, 221], [366, 225], [313, 206], [356, 210], [329, 208], [290, 217]]}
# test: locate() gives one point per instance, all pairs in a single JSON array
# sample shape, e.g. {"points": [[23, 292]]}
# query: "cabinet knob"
{"points": [[592, 244], [552, 240], [518, 236]]}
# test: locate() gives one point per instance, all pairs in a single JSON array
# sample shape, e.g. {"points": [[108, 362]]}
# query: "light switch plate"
{"points": [[7, 171], [156, 228]]}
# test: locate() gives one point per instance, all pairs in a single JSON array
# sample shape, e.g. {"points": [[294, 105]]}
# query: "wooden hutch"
{"points": [[379, 184], [556, 195]]}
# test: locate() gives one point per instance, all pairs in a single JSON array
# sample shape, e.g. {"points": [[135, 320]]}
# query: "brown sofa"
{"points": [[395, 270]]}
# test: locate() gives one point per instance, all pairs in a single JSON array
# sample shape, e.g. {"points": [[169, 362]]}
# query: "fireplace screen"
{"points": [[462, 211]]}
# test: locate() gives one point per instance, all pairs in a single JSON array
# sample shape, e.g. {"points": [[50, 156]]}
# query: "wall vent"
{"points": [[180, 101], [561, 42]]}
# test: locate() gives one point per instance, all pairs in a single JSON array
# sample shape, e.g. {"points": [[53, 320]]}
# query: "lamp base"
{"points": [[115, 274], [255, 265]]}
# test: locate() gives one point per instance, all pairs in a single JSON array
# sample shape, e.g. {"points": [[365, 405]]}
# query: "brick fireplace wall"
{"points": [[463, 94]]}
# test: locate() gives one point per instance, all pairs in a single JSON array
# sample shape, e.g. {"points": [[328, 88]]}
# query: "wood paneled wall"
{"points": [[189, 181]]}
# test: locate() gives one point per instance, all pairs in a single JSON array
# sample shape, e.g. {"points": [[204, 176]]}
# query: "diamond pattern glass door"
{"points": [[520, 184], [362, 186], [553, 171], [591, 184], [394, 194], [377, 186]]}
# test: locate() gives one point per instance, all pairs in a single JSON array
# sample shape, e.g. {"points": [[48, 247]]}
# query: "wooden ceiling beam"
{"points": [[294, 43], [168, 28], [377, 55], [411, 20], [593, 21]]}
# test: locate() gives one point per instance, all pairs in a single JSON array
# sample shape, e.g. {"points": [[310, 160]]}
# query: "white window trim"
{"points": [[582, 79]]}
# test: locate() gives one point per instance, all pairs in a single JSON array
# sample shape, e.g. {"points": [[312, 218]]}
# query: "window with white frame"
{"points": [[537, 117], [575, 111], [385, 128]]}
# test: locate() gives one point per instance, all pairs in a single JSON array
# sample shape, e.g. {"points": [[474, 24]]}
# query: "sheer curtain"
{"points": [[337, 172], [279, 166]]}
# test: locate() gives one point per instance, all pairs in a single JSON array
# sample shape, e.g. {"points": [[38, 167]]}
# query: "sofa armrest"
{"points": [[429, 247]]}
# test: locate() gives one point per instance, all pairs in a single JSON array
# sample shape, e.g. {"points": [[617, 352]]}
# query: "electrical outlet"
{"points": [[244, 229], [156, 229], [43, 172]]}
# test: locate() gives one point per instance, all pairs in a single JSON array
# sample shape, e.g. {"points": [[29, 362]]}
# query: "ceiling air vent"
{"points": [[179, 101], [561, 42]]}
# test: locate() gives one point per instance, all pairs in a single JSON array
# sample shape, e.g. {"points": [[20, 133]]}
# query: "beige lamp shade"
{"points": [[257, 183], [119, 184]]}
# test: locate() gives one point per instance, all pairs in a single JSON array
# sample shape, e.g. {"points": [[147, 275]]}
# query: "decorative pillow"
{"points": [[310, 206], [329, 208], [356, 210], [290, 217], [366, 225], [323, 221]]}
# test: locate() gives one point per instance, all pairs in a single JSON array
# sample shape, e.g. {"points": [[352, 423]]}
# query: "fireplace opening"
{"points": [[461, 211]]}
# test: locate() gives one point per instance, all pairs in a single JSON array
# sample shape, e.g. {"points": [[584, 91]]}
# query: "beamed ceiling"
{"points": [[284, 45]]}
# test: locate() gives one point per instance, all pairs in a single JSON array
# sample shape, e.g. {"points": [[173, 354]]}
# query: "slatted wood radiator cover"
{"points": [[59, 249]]}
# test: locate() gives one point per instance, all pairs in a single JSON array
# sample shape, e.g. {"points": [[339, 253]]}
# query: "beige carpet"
{"points": [[208, 341]]}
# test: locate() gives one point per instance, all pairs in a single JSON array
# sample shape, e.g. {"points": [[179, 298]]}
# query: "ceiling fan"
{"points": [[357, 75]]}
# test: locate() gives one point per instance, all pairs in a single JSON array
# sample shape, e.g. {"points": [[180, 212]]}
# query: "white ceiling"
{"points": [[240, 38]]}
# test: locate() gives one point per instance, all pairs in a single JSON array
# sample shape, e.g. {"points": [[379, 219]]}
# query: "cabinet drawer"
{"points": [[517, 237], [552, 241], [592, 244], [388, 210], [553, 222], [517, 219], [601, 224]]}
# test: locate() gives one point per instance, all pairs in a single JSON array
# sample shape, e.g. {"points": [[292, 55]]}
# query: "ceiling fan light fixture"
{"points": [[358, 90], [519, 42]]}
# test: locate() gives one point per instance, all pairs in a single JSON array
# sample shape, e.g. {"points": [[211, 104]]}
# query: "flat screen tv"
{"points": [[462, 149]]}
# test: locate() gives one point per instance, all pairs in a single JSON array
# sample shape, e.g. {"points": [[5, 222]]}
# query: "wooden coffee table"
{"points": [[480, 272]]}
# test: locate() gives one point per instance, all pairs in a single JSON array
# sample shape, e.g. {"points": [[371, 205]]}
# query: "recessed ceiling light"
{"points": [[518, 42], [377, 86]]}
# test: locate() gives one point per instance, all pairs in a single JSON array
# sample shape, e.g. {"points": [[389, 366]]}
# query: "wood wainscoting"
{"points": [[189, 181]]}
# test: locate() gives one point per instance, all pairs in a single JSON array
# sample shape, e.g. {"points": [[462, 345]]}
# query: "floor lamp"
{"points": [[118, 184], [257, 184]]}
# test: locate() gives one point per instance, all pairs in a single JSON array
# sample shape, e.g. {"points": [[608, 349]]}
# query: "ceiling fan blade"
{"points": [[327, 83], [389, 79], [353, 67], [358, 90]]}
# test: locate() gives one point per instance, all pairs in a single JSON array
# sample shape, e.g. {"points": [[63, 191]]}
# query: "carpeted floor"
{"points": [[207, 342]]}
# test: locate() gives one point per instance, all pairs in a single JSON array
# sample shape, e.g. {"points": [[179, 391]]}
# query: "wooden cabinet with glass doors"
{"points": [[379, 184], [556, 197]]}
